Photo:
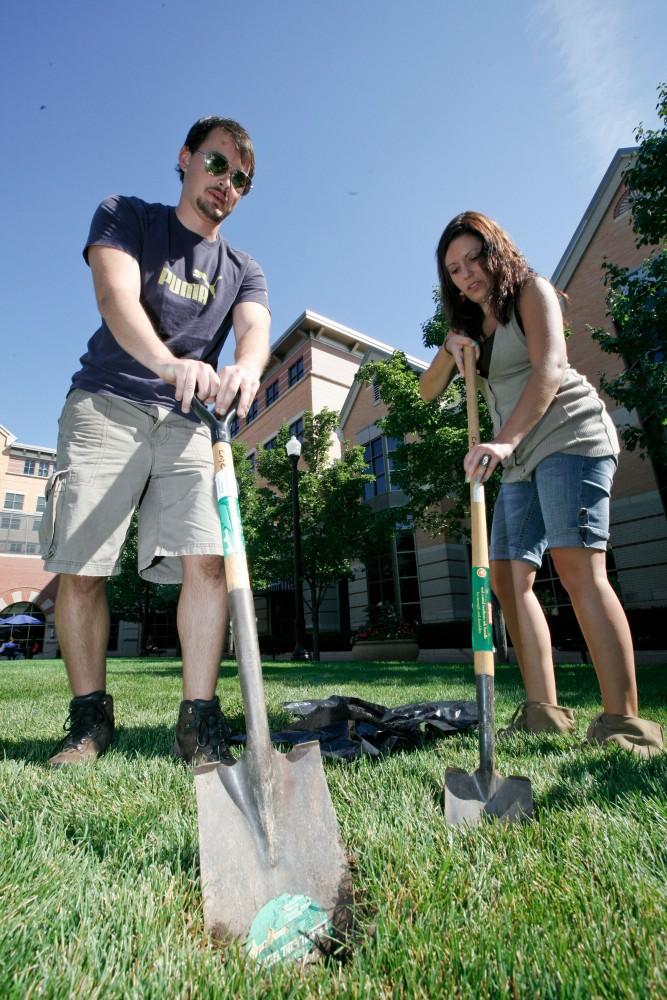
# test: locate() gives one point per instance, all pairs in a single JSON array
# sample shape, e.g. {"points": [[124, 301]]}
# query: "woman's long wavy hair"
{"points": [[502, 261]]}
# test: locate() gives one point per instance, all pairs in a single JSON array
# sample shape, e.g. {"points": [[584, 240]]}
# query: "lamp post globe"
{"points": [[293, 448]]}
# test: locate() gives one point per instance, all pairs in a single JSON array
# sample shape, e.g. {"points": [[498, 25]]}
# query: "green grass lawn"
{"points": [[99, 879]]}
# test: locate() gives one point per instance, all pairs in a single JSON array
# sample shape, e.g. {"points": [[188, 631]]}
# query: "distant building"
{"points": [[25, 587], [312, 366]]}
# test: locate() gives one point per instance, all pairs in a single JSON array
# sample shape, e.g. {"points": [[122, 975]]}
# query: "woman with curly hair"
{"points": [[558, 450]]}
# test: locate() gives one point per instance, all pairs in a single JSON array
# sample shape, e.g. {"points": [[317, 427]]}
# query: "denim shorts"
{"points": [[564, 505]]}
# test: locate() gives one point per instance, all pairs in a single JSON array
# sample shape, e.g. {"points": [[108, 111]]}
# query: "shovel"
{"points": [[469, 797], [273, 868]]}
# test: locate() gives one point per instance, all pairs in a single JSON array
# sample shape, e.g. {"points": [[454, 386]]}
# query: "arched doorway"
{"points": [[22, 624]]}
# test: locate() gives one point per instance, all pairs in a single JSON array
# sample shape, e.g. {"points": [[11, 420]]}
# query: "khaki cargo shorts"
{"points": [[114, 456]]}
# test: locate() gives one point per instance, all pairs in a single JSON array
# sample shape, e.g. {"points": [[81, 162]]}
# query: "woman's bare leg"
{"points": [[512, 582], [602, 620]]}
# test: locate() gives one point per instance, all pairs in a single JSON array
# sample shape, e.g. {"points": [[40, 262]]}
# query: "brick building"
{"points": [[638, 523], [312, 366]]}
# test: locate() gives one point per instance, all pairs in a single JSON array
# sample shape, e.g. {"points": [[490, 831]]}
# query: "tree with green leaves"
{"points": [[637, 305], [646, 179], [428, 465], [337, 527]]}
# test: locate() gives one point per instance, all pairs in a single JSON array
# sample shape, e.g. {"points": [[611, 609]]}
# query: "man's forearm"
{"points": [[132, 329], [252, 349]]}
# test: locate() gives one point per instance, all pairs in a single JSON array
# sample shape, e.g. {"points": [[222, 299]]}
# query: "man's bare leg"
{"points": [[82, 626], [202, 620]]}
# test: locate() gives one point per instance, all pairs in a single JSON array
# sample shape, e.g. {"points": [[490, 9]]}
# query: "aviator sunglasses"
{"points": [[216, 164]]}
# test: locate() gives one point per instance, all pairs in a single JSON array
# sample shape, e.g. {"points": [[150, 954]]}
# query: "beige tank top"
{"points": [[576, 421]]}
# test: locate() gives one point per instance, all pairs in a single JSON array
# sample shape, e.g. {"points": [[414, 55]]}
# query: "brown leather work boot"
{"points": [[539, 717], [202, 733], [89, 730]]}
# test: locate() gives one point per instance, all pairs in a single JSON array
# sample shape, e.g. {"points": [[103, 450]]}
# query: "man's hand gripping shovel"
{"points": [[469, 797], [273, 868]]}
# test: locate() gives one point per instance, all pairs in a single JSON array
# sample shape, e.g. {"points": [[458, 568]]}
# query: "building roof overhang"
{"points": [[592, 217], [312, 326]]}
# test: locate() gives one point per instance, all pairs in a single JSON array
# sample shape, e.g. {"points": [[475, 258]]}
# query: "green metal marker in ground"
{"points": [[273, 869], [286, 928]]}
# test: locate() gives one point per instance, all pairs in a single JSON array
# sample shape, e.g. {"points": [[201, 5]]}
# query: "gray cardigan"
{"points": [[575, 422]]}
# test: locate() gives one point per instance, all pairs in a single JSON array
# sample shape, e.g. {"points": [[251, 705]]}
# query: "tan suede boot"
{"points": [[539, 717], [639, 736]]}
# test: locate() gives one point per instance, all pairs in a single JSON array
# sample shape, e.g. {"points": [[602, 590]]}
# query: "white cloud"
{"points": [[592, 41]]}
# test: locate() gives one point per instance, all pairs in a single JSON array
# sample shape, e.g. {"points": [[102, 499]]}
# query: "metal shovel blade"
{"points": [[280, 848], [471, 797]]}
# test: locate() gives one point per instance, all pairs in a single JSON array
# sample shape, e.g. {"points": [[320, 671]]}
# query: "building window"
{"points": [[43, 469], [14, 501], [379, 463], [622, 205], [296, 429], [272, 393], [271, 443], [295, 372], [29, 467], [41, 505], [252, 460], [10, 523], [377, 396], [16, 548], [380, 579], [234, 427], [408, 579], [36, 522], [391, 577], [31, 548], [252, 412]]}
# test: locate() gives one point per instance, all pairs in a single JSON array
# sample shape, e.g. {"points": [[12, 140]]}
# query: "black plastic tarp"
{"points": [[350, 727]]}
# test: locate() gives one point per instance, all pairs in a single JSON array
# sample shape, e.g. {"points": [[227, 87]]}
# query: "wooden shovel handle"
{"points": [[482, 627], [471, 395]]}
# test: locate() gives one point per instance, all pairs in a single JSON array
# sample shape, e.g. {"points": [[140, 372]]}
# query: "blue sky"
{"points": [[374, 122]]}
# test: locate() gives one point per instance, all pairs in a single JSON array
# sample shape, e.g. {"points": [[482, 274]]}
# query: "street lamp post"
{"points": [[293, 448]]}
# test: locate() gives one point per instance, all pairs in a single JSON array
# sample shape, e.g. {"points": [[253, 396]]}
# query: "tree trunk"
{"points": [[315, 618], [145, 611]]}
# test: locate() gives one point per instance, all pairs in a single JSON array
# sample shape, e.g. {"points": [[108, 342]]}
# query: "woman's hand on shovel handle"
{"points": [[481, 461]]}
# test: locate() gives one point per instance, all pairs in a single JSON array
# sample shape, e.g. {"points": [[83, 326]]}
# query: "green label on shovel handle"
{"points": [[482, 622], [230, 522], [286, 929]]}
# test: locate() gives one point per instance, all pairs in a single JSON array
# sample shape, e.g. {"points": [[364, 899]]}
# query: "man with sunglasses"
{"points": [[169, 288]]}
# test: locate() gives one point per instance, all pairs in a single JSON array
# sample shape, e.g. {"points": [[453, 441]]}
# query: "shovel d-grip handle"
{"points": [[480, 583]]}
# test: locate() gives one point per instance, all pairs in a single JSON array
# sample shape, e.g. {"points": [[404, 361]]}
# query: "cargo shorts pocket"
{"points": [[55, 491]]}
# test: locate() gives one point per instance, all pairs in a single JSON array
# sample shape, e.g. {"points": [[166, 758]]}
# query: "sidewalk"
{"points": [[463, 655]]}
